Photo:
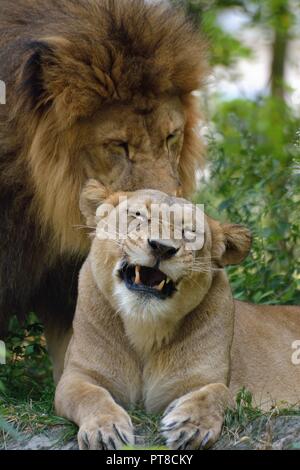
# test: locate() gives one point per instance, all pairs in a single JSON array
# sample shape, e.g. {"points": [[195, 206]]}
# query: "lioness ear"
{"points": [[93, 194], [231, 243], [238, 240]]}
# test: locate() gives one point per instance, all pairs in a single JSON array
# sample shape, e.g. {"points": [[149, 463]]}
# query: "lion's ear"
{"points": [[92, 196], [231, 243], [53, 75], [39, 55]]}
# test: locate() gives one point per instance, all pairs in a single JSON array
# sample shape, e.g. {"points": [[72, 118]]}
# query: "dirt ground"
{"points": [[278, 433]]}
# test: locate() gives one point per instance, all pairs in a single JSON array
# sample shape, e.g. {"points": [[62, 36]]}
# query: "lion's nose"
{"points": [[162, 251]]}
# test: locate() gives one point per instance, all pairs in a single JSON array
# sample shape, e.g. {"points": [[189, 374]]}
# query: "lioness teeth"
{"points": [[137, 275], [160, 286]]}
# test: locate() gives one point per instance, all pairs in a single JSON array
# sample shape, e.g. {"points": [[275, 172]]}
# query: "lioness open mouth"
{"points": [[147, 280]]}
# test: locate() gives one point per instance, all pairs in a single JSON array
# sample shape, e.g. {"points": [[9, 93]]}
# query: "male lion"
{"points": [[155, 323], [95, 88]]}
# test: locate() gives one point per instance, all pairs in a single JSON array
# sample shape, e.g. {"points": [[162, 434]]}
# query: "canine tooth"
{"points": [[168, 280], [137, 275], [161, 285]]}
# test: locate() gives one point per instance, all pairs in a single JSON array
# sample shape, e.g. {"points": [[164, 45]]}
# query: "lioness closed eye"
{"points": [[154, 325]]}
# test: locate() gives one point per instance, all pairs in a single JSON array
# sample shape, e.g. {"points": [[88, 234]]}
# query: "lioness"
{"points": [[95, 89], [155, 324]]}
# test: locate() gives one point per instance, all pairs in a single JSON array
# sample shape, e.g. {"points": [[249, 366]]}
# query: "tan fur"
{"points": [[174, 355], [262, 353], [154, 352]]}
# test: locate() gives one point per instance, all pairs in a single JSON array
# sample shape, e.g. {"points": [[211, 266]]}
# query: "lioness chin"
{"points": [[155, 324]]}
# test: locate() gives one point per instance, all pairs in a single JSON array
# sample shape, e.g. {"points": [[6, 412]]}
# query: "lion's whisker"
{"points": [[82, 227]]}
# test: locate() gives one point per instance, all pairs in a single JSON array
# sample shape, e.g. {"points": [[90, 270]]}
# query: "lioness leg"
{"points": [[57, 343], [103, 424], [195, 420]]}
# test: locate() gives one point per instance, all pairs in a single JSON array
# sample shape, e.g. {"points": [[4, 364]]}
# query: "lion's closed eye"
{"points": [[118, 148]]}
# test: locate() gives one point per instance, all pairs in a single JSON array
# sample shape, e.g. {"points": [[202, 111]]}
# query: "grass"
{"points": [[27, 394], [26, 386], [31, 417], [237, 420], [245, 412]]}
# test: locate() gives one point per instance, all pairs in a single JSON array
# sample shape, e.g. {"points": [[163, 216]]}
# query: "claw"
{"points": [[180, 437], [181, 447], [170, 408], [169, 426], [207, 437], [101, 441], [179, 442], [125, 439], [191, 439], [174, 425], [112, 443], [85, 440], [120, 435]]}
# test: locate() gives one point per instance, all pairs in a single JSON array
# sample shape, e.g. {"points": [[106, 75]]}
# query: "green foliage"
{"points": [[28, 366], [147, 428], [24, 378], [252, 154], [245, 411], [225, 49], [26, 386]]}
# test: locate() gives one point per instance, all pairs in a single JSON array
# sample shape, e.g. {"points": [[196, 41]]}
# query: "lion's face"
{"points": [[152, 264], [102, 90], [127, 147]]}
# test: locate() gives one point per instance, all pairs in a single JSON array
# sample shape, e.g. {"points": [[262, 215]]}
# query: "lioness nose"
{"points": [[161, 250]]}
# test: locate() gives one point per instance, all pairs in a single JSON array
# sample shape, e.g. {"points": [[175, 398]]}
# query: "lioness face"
{"points": [[156, 271], [128, 147], [165, 275]]}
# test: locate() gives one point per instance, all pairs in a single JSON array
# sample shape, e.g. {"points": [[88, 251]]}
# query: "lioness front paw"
{"points": [[192, 422], [106, 432]]}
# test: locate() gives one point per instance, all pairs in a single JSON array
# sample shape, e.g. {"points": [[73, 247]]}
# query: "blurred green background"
{"points": [[252, 108], [252, 130]]}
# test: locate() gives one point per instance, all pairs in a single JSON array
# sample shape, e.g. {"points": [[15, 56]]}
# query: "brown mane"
{"points": [[61, 62]]}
